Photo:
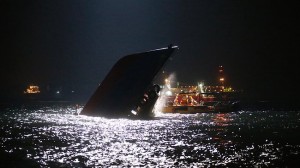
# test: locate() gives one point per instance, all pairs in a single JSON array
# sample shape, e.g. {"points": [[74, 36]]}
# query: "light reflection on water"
{"points": [[54, 136]]}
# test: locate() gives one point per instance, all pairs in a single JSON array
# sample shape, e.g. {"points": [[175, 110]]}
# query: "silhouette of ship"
{"points": [[128, 89]]}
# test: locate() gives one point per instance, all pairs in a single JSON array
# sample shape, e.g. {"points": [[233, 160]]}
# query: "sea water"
{"points": [[54, 135]]}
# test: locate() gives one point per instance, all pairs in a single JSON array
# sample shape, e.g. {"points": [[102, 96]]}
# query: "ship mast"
{"points": [[221, 75]]}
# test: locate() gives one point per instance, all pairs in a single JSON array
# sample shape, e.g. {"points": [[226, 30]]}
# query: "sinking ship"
{"points": [[128, 89]]}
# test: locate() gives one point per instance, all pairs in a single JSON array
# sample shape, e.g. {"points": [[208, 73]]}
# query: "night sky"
{"points": [[72, 44]]}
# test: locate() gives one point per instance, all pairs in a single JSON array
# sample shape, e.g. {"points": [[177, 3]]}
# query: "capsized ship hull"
{"points": [[128, 88]]}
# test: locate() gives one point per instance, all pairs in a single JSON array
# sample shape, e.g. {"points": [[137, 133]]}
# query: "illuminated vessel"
{"points": [[197, 102], [32, 89], [31, 93], [198, 98]]}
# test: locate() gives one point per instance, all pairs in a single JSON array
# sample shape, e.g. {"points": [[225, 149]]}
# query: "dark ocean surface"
{"points": [[53, 135]]}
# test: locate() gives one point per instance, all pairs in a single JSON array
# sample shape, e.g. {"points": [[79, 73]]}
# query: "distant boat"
{"points": [[32, 89]]}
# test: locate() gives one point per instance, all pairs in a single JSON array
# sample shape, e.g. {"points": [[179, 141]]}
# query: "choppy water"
{"points": [[52, 136]]}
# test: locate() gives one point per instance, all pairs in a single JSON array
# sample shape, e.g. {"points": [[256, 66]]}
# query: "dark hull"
{"points": [[125, 85]]}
